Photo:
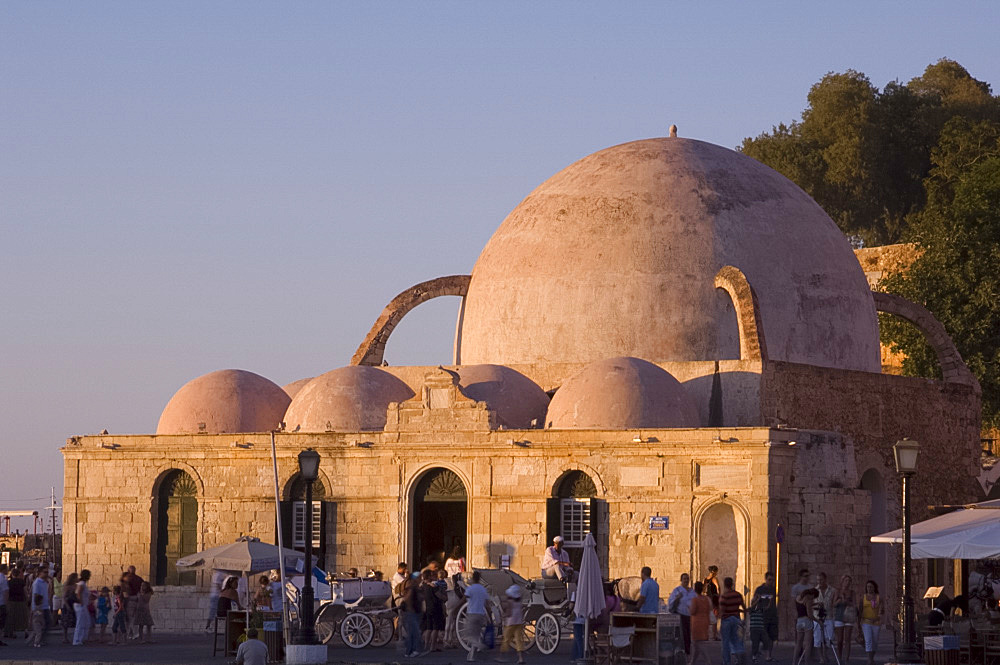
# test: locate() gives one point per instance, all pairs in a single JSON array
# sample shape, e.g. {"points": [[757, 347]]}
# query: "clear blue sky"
{"points": [[191, 186]]}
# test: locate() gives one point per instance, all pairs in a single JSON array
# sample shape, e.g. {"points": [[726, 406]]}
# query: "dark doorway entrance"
{"points": [[175, 529], [440, 516]]}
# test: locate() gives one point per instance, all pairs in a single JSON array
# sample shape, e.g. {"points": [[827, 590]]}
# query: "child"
{"points": [[103, 609], [758, 631], [119, 625], [513, 621], [142, 615]]}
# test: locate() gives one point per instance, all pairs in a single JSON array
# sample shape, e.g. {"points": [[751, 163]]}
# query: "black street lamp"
{"points": [[906, 452], [308, 471]]}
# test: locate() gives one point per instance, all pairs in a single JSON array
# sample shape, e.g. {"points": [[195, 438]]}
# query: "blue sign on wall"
{"points": [[659, 523]]}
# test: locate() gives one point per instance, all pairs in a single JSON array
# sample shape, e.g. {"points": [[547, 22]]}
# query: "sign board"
{"points": [[5, 557], [659, 523], [505, 561], [272, 626], [779, 534]]}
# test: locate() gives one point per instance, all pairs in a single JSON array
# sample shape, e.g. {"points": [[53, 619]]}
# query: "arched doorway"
{"points": [[175, 527], [574, 511], [440, 516], [872, 482], [293, 518], [721, 535]]}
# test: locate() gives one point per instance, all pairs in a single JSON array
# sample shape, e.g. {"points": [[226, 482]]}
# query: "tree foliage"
{"points": [[918, 163], [863, 153]]}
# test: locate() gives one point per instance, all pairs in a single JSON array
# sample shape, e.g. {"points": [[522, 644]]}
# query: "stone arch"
{"points": [[322, 483], [575, 495], [953, 368], [732, 280], [558, 474], [427, 522], [176, 516], [372, 349], [166, 467], [722, 525]]}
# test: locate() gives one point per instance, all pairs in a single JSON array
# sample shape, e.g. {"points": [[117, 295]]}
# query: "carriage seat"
{"points": [[553, 590]]}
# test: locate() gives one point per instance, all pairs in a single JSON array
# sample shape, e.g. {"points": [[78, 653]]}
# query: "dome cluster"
{"points": [[616, 393]]}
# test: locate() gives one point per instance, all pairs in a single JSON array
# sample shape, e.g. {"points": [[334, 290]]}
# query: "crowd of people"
{"points": [[36, 598]]}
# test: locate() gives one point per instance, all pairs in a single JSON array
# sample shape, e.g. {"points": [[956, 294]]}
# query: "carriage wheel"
{"points": [[461, 621], [529, 635], [325, 629], [384, 630], [547, 633], [357, 630]]}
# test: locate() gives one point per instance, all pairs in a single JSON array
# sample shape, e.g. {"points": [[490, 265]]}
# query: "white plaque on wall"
{"points": [[722, 475]]}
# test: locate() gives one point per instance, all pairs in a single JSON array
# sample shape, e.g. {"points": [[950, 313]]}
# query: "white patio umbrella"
{"points": [[589, 588], [970, 533], [248, 555]]}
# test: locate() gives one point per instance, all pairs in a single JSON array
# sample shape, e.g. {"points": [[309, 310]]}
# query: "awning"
{"points": [[972, 532]]}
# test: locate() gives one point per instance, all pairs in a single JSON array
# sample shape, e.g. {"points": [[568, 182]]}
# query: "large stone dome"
{"points": [[621, 393], [516, 399], [224, 402], [348, 399], [616, 255]]}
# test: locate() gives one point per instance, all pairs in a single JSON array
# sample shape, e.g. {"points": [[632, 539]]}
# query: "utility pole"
{"points": [[53, 507]]}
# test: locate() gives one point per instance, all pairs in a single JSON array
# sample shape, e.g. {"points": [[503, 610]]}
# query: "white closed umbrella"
{"points": [[589, 588]]}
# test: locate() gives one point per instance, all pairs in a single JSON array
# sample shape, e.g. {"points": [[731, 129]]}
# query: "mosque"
{"points": [[666, 344]]}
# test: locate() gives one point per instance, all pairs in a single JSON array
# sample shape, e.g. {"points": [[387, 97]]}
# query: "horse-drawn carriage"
{"points": [[357, 611], [548, 607]]}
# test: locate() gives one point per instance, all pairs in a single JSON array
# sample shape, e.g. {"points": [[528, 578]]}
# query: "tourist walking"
{"points": [[119, 621], [513, 622], [17, 603], [679, 603], [411, 603], [730, 606], [871, 611], [765, 598], [131, 585], [82, 630], [40, 602], [701, 609], [143, 615], [477, 600], [214, 591], [845, 617], [712, 590], [67, 609], [649, 592]]}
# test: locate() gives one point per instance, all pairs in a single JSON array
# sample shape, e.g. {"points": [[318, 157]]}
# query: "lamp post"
{"points": [[906, 452], [308, 471]]}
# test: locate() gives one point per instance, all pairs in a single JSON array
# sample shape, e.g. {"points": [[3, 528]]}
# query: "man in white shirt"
{"points": [[253, 651], [555, 562], [679, 603], [40, 602], [478, 599]]}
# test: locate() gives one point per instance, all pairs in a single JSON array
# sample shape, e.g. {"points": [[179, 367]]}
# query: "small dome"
{"points": [[294, 387], [350, 399], [621, 393], [224, 402], [516, 399]]}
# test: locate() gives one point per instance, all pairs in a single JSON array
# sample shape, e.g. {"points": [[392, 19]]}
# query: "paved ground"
{"points": [[197, 650]]}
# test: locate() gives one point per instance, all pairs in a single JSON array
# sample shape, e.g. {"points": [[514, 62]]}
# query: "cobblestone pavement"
{"points": [[196, 649]]}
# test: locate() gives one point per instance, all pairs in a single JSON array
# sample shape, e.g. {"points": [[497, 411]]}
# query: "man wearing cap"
{"points": [[555, 563]]}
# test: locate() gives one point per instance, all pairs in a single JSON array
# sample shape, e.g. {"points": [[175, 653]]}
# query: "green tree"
{"points": [[957, 276], [863, 154]]}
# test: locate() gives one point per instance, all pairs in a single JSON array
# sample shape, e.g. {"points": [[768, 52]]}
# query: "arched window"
{"points": [[175, 527], [293, 518], [574, 511]]}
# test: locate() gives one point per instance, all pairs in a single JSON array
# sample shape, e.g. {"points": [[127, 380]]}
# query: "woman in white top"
{"points": [[455, 563], [83, 622]]}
